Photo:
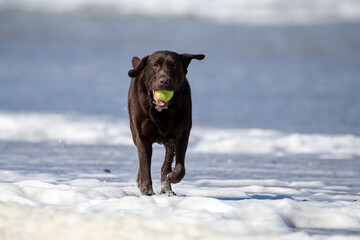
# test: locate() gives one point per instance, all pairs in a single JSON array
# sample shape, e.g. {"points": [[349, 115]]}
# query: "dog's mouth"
{"points": [[159, 102]]}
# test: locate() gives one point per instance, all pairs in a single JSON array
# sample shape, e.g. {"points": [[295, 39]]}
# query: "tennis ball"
{"points": [[164, 95]]}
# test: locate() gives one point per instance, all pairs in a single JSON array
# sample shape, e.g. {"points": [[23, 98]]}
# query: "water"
{"points": [[295, 78]]}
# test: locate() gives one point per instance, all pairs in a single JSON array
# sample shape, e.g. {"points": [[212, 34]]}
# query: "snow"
{"points": [[272, 12], [89, 130], [29, 223], [263, 184], [270, 141], [111, 131], [252, 211]]}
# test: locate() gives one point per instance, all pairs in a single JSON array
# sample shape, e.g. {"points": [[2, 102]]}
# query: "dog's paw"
{"points": [[167, 193], [146, 189], [166, 189], [177, 174]]}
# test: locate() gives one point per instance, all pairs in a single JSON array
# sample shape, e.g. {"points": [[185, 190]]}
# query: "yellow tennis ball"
{"points": [[164, 95]]}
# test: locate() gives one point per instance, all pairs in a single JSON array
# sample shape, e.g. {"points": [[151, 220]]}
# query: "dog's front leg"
{"points": [[170, 148], [179, 171], [144, 176]]}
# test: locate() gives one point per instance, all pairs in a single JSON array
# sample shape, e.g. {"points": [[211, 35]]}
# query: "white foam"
{"points": [[77, 129], [233, 11]]}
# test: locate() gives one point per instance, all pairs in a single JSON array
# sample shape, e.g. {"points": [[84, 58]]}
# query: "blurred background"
{"points": [[291, 66]]}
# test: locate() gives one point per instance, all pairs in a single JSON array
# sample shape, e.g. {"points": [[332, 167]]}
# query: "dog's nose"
{"points": [[164, 81]]}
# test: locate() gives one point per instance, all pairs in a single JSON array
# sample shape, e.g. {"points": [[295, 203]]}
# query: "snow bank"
{"points": [[62, 191], [233, 11], [72, 129], [21, 222], [77, 129], [258, 141], [91, 209]]}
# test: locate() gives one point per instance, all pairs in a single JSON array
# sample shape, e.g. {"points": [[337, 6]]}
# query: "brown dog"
{"points": [[153, 120]]}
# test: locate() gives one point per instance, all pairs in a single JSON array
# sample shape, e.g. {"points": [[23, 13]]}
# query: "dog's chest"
{"points": [[166, 125]]}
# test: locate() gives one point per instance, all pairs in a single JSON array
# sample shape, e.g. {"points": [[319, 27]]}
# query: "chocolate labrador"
{"points": [[155, 121]]}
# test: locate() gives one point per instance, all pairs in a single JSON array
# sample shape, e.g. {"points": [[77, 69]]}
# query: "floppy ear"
{"points": [[135, 61], [188, 57], [140, 66]]}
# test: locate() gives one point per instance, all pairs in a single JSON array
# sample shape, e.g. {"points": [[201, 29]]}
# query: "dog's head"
{"points": [[162, 70]]}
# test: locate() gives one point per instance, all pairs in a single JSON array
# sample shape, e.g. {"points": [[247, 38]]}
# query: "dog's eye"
{"points": [[156, 66], [173, 66]]}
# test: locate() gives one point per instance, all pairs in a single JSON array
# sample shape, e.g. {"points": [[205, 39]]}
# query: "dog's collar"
{"points": [[158, 108]]}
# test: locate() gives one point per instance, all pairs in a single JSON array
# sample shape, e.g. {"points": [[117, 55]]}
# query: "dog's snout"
{"points": [[164, 81]]}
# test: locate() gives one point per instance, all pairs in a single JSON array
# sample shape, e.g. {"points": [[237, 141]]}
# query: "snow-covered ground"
{"points": [[73, 177]]}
